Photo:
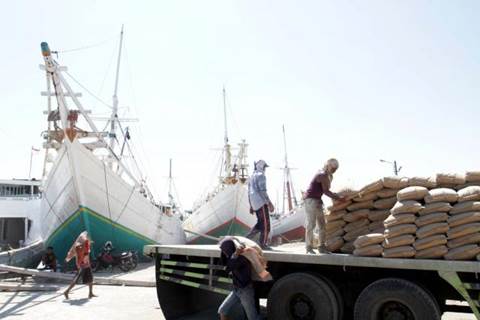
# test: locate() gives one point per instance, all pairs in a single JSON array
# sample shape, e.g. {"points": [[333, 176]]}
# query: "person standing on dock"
{"points": [[81, 251], [315, 212], [260, 203]]}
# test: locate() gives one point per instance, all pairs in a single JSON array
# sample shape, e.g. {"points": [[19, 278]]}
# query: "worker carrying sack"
{"points": [[252, 251]]}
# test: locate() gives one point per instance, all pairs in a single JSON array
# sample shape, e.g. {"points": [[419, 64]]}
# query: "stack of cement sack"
{"points": [[361, 215], [416, 217]]}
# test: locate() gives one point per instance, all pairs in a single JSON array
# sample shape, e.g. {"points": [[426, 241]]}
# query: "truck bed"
{"points": [[295, 253]]}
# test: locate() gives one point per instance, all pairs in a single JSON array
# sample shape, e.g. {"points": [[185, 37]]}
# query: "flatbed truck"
{"points": [[190, 279]]}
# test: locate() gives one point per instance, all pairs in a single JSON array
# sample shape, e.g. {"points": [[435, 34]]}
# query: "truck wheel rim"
{"points": [[301, 307], [394, 310]]}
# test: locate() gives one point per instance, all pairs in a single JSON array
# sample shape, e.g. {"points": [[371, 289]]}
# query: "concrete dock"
{"points": [[113, 302]]}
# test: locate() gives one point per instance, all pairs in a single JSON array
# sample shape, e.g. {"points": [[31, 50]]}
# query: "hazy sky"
{"points": [[357, 80]]}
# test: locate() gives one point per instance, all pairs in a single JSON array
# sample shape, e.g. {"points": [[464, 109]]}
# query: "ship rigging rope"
{"points": [[90, 46], [88, 91], [108, 200], [125, 205]]}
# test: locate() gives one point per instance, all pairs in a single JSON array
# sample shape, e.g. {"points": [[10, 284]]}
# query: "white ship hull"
{"points": [[290, 226], [226, 213], [82, 193]]}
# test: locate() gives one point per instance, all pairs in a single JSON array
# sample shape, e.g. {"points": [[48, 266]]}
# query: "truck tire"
{"points": [[302, 296], [338, 296], [394, 298]]}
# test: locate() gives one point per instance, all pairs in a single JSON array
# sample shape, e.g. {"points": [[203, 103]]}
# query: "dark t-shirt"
{"points": [[317, 189], [241, 271]]}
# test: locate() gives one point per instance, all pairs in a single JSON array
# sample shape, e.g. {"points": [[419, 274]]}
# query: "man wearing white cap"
{"points": [[314, 210], [260, 203]]}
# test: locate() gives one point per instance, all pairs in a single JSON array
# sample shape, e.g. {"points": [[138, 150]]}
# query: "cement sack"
{"points": [[334, 244], [335, 233], [368, 240], [353, 235], [432, 253], [472, 176], [450, 179], [372, 187], [470, 184], [435, 207], [431, 218], [465, 207], [329, 217], [356, 215], [374, 250], [466, 252], [395, 182], [387, 193], [386, 203], [360, 205], [408, 206], [432, 229], [430, 242], [356, 225], [375, 225], [399, 252], [427, 182], [347, 247], [441, 195], [405, 240], [412, 193], [463, 230], [404, 218], [399, 230], [339, 206], [464, 218], [473, 238], [365, 197], [378, 230], [334, 225], [378, 215], [469, 194]]}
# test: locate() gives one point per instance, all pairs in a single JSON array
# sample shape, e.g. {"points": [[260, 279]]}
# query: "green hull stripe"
{"points": [[100, 228], [87, 212], [232, 229]]}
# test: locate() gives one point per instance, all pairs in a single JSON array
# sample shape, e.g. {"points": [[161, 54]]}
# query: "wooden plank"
{"points": [[69, 277], [12, 287]]}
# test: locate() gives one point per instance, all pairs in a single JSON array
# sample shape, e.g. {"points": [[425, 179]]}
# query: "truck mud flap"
{"points": [[188, 285]]}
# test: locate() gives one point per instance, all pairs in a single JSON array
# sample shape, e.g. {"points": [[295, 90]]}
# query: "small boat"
{"points": [[92, 181], [226, 209], [289, 224]]}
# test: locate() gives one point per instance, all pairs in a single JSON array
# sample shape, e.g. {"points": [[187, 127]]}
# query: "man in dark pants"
{"points": [[260, 203], [243, 291]]}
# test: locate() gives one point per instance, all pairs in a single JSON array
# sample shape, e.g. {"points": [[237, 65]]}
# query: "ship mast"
{"points": [[114, 116], [288, 192], [170, 180], [226, 148]]}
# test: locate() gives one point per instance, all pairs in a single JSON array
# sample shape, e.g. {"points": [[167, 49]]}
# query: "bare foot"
{"points": [[92, 296], [66, 295]]}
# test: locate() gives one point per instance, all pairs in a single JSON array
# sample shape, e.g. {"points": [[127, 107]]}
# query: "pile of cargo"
{"points": [[399, 217]]}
